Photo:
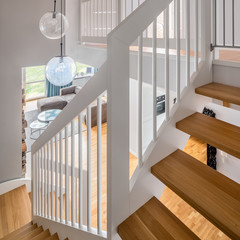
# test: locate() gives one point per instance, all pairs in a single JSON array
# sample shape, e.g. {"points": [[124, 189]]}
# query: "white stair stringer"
{"points": [[144, 185], [66, 231]]}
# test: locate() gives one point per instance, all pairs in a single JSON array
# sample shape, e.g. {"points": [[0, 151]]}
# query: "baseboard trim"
{"points": [[12, 184]]}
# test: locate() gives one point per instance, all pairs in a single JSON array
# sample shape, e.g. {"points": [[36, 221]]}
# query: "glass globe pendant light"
{"points": [[61, 70], [53, 25]]}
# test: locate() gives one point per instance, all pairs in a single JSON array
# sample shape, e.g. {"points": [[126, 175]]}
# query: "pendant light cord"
{"points": [[54, 9], [61, 44]]}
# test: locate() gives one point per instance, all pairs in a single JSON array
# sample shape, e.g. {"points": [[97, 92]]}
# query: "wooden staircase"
{"points": [[31, 232], [15, 218], [212, 194]]}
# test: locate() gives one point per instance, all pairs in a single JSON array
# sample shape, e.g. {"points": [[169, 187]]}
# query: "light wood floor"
{"points": [[189, 216]]}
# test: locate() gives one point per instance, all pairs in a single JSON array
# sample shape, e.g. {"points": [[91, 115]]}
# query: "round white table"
{"points": [[49, 115], [37, 126]]}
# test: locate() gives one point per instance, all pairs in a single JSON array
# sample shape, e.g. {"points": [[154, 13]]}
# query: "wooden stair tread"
{"points": [[222, 92], [42, 235], [212, 194], [19, 231], [32, 234], [53, 237], [15, 210], [154, 221], [215, 132]]}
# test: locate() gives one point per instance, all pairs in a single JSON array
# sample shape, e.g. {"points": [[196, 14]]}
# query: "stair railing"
{"points": [[133, 122], [224, 24], [62, 159], [57, 155], [99, 18]]}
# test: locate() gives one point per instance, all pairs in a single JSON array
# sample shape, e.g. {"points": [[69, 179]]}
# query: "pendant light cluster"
{"points": [[60, 70]]}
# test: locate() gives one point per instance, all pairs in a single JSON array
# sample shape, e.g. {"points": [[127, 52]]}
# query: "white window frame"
{"points": [[29, 83]]}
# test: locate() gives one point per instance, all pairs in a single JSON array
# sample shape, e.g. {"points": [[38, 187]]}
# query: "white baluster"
{"points": [[99, 164], [56, 178], [178, 77], [102, 18], [66, 177], [125, 8], [94, 18], [188, 41], [98, 21], [106, 17], [42, 182], [61, 175], [34, 184], [119, 11], [167, 95], [111, 21], [52, 181], [38, 183], [80, 22], [45, 181], [140, 83], [48, 181], [91, 18], [89, 168], [196, 35], [154, 78], [80, 159], [213, 22], [73, 172]]}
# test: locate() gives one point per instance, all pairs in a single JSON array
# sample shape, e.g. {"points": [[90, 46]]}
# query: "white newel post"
{"points": [[118, 134], [119, 11], [206, 30]]}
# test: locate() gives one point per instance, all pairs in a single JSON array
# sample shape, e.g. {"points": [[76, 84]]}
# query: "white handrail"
{"points": [[93, 88]]}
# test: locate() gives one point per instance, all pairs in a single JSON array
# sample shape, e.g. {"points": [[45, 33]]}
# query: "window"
{"points": [[34, 82], [83, 69]]}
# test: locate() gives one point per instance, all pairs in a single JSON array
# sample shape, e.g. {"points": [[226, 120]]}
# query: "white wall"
{"points": [[226, 75], [21, 45]]}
